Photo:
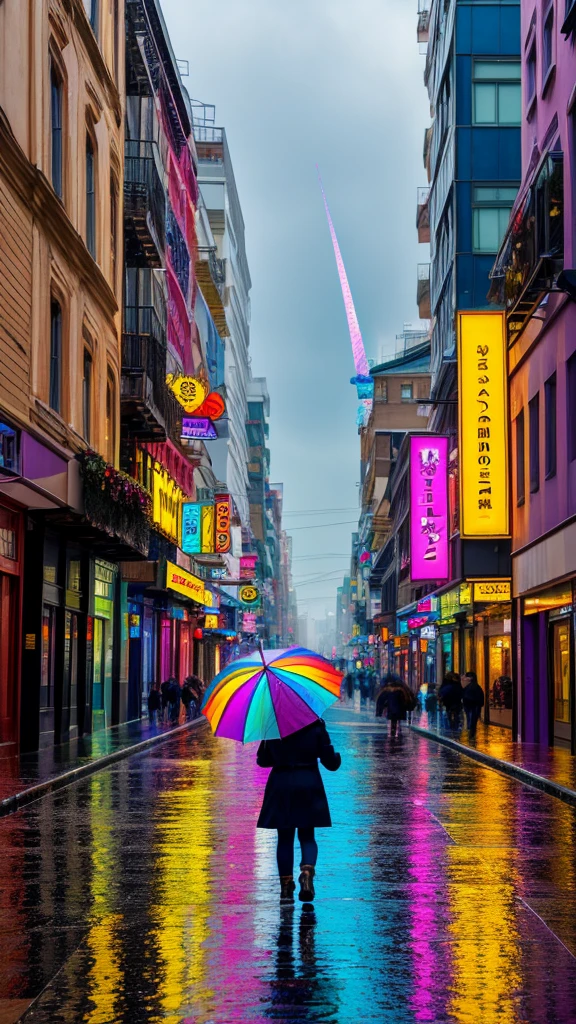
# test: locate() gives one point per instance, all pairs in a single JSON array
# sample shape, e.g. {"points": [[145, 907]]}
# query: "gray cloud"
{"points": [[339, 84]]}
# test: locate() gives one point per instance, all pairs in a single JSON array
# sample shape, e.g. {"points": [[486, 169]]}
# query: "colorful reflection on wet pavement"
{"points": [[446, 893]]}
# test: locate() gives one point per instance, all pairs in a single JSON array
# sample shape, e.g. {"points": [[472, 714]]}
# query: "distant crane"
{"points": [[363, 381]]}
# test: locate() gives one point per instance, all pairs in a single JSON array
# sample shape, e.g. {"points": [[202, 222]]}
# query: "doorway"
{"points": [[561, 682]]}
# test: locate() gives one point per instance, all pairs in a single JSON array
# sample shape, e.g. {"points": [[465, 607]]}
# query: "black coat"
{"points": [[393, 699], [450, 693], [473, 696], [295, 795]]}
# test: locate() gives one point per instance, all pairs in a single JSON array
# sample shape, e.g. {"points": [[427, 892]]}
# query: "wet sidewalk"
{"points": [[146, 895], [27, 776], [494, 747]]}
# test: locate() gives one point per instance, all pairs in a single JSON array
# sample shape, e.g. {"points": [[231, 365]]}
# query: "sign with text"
{"points": [[249, 595], [184, 583], [249, 622], [492, 591], [188, 391], [191, 522], [198, 427], [483, 441], [428, 507], [222, 515]]}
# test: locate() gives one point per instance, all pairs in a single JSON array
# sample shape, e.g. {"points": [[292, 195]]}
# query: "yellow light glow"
{"points": [[483, 446], [167, 503]]}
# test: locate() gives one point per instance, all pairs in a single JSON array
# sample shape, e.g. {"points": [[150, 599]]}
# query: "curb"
{"points": [[13, 803], [528, 778]]}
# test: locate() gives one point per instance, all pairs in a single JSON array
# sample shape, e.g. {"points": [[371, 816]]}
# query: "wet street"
{"points": [[446, 893]]}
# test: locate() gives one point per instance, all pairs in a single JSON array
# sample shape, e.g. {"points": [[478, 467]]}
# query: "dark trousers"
{"points": [[285, 850], [394, 726], [472, 716], [453, 713]]}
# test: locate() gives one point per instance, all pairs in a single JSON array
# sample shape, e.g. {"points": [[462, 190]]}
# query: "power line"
{"points": [[312, 558], [321, 526], [318, 511]]}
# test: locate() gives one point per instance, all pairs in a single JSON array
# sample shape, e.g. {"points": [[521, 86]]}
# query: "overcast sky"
{"points": [[337, 83]]}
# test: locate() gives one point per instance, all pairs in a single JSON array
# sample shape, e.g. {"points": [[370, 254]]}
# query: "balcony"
{"points": [[423, 214], [423, 22], [149, 410], [144, 205], [211, 277], [423, 291], [532, 253]]}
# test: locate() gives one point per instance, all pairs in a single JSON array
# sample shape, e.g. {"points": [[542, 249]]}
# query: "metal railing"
{"points": [[143, 188], [144, 378], [217, 266], [144, 320]]}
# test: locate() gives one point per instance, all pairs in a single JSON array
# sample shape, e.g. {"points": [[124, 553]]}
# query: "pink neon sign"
{"points": [[428, 507]]}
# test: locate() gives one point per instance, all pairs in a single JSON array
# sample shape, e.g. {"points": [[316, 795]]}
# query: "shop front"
{"points": [[10, 598], [548, 699], [493, 648], [102, 643]]}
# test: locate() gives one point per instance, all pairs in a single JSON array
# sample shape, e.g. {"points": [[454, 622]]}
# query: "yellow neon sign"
{"points": [[483, 447], [166, 503]]}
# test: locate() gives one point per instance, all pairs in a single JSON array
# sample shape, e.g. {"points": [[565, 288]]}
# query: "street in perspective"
{"points": [[288, 512]]}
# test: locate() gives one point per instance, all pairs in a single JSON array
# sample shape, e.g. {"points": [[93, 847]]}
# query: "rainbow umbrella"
{"points": [[267, 695]]}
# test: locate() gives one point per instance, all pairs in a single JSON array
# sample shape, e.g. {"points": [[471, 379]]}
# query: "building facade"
{"points": [[534, 276]]}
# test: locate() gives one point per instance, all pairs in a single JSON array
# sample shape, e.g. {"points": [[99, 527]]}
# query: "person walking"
{"points": [[197, 687], [164, 689], [174, 695], [473, 700], [450, 695], [187, 700], [295, 799], [154, 703], [392, 699], [349, 683]]}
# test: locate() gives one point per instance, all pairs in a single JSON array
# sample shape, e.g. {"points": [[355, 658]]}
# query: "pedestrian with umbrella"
{"points": [[278, 697]]}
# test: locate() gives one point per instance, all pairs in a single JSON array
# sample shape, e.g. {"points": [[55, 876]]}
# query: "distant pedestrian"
{"points": [[473, 700], [164, 689], [154, 703], [295, 799], [174, 697], [450, 695], [197, 687], [431, 701], [187, 700], [392, 699], [349, 684]]}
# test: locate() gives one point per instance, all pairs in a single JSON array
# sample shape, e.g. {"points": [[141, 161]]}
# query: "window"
{"points": [[520, 484], [87, 395], [571, 403], [110, 439], [550, 426], [55, 355], [531, 75], [91, 8], [90, 198], [497, 97], [534, 431], [547, 44], [116, 30], [490, 215], [406, 392], [382, 390], [113, 229], [56, 130]]}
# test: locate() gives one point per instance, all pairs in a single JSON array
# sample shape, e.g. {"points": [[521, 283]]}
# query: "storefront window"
{"points": [[48, 656], [561, 668]]}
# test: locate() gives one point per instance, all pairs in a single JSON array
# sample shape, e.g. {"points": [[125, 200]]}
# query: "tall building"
{"points": [[534, 276], [62, 530], [472, 157], [218, 187]]}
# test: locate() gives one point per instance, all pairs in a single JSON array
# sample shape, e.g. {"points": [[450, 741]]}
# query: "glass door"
{"points": [[561, 682], [98, 683]]}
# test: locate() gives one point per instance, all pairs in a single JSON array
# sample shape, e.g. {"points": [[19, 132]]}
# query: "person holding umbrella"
{"points": [[278, 698]]}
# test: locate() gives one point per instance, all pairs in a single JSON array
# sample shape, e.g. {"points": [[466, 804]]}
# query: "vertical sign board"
{"points": [[222, 523], [207, 528], [191, 521], [428, 507], [483, 441]]}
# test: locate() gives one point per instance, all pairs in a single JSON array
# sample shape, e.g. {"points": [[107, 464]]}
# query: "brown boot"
{"points": [[287, 886], [306, 880]]}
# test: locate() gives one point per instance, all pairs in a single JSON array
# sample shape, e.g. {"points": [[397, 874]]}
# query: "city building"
{"points": [[534, 276], [472, 158], [63, 529]]}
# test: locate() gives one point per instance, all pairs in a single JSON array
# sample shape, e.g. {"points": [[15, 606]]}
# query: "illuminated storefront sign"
{"points": [[191, 520], [211, 622], [222, 513], [188, 391], [198, 427], [247, 566], [483, 425], [249, 595], [185, 583], [207, 527], [213, 406], [492, 590], [249, 622], [166, 503], [428, 507]]}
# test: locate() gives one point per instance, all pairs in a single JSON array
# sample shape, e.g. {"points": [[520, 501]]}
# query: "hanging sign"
{"points": [[428, 507], [249, 622], [492, 590], [191, 542], [211, 622], [249, 595], [184, 583], [198, 427], [483, 442], [222, 512], [166, 503], [247, 566], [207, 528], [189, 391], [213, 406]]}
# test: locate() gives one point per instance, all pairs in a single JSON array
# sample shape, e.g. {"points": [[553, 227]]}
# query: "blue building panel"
{"points": [[488, 29], [488, 154]]}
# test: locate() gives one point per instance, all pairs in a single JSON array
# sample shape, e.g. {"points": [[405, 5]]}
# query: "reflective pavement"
{"points": [[446, 893]]}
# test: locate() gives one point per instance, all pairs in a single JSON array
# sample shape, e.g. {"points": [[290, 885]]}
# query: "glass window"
{"points": [[491, 212], [110, 439], [91, 8], [87, 395], [531, 75], [48, 656], [55, 355], [90, 198], [56, 130], [534, 431], [561, 652], [520, 485], [497, 98], [406, 392], [550, 425], [571, 403], [113, 229], [547, 42]]}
